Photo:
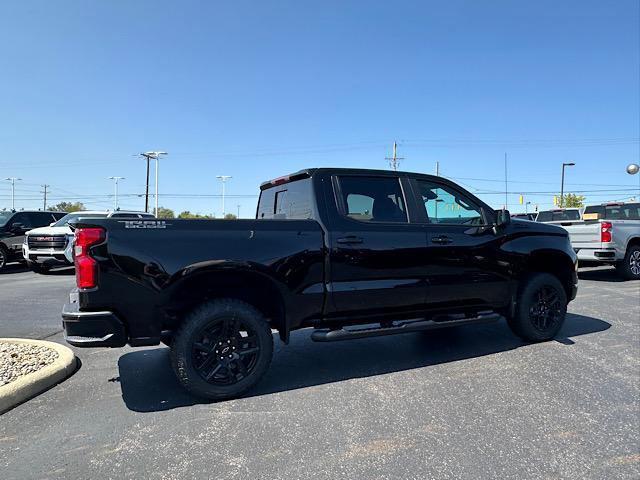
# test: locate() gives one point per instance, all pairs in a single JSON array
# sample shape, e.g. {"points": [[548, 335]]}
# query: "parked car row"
{"points": [[44, 239]]}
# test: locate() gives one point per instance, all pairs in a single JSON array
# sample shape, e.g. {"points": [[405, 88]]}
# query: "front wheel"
{"points": [[629, 268], [4, 257], [222, 349], [541, 308]]}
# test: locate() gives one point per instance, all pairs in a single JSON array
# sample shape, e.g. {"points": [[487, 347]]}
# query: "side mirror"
{"points": [[17, 228], [503, 217]]}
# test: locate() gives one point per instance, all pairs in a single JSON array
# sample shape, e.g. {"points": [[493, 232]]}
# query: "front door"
{"points": [[465, 267], [376, 264]]}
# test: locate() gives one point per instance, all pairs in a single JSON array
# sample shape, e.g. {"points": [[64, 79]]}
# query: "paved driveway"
{"points": [[470, 402]]}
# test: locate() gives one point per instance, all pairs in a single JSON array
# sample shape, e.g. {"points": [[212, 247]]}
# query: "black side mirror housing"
{"points": [[17, 228], [503, 217]]}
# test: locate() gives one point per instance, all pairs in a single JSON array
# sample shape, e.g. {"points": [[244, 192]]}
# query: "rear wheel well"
{"points": [[254, 289], [633, 242]]}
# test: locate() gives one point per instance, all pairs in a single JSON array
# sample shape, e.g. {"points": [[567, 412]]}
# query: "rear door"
{"points": [[376, 259], [464, 265]]}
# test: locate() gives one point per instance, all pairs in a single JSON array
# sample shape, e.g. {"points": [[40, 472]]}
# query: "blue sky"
{"points": [[259, 89]]}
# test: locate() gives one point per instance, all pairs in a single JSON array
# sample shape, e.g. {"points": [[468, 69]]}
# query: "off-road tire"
{"points": [[533, 321], [629, 268], [209, 315], [4, 257]]}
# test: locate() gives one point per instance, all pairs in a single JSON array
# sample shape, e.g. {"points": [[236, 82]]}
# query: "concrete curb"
{"points": [[37, 382]]}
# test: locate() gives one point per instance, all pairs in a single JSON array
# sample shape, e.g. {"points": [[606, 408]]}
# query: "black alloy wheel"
{"points": [[546, 311], [222, 349], [225, 351]]}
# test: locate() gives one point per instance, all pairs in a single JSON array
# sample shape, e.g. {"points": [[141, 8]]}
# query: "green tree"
{"points": [[187, 215], [230, 216], [68, 207], [571, 200], [165, 213]]}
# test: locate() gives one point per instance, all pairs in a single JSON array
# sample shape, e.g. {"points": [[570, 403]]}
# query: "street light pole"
{"points": [[571, 164], [633, 169], [116, 180], [223, 179], [13, 191]]}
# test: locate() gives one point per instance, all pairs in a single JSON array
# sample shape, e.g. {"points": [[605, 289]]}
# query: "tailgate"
{"points": [[584, 235]]}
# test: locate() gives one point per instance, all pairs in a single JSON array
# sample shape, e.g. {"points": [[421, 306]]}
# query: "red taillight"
{"points": [[605, 231], [86, 267]]}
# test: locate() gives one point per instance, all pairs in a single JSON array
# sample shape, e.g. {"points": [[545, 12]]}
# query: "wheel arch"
{"points": [[632, 242], [554, 262], [253, 287]]}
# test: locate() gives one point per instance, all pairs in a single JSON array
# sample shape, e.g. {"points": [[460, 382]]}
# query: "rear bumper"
{"points": [[600, 255], [92, 329]]}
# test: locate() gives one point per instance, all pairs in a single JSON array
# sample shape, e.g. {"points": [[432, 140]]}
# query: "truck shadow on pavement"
{"points": [[601, 275], [148, 383]]}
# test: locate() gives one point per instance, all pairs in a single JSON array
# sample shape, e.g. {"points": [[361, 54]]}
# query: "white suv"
{"points": [[45, 247]]}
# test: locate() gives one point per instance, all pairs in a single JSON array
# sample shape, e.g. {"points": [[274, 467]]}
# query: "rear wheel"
{"points": [[222, 349], [629, 268], [541, 308]]}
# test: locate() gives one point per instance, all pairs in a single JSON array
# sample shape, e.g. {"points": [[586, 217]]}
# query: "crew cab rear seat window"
{"points": [[293, 200], [373, 199]]}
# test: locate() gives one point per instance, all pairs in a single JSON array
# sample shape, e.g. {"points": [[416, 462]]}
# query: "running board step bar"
{"points": [[400, 327]]}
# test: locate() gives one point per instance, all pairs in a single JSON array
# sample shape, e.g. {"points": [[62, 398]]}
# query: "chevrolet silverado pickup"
{"points": [[608, 234], [346, 253]]}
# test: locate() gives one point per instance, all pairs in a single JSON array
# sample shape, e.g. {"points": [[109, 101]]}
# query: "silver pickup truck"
{"points": [[608, 234]]}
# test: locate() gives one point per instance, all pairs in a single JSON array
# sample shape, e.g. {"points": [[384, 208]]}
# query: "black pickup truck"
{"points": [[348, 253]]}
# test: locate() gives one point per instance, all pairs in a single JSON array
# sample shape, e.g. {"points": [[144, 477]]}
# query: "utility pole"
{"points": [[146, 192], [437, 169], [44, 202], [223, 179], [115, 181], [562, 183], [238, 216], [395, 160], [506, 185], [148, 156], [13, 181]]}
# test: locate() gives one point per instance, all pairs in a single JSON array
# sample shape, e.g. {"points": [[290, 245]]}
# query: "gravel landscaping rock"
{"points": [[17, 360]]}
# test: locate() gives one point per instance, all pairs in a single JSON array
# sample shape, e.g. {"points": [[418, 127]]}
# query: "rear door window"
{"points": [[372, 199]]}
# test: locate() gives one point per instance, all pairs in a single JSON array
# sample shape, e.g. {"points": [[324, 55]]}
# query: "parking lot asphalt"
{"points": [[470, 402]]}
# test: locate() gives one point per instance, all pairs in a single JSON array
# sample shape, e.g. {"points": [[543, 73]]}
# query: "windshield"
{"points": [[628, 211], [64, 221], [4, 218], [558, 216]]}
